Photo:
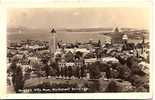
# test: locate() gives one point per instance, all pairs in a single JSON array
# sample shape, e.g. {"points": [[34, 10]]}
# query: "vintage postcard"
{"points": [[81, 49]]}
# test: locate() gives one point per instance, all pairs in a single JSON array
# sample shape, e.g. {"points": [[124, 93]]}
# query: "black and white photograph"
{"points": [[78, 50]]}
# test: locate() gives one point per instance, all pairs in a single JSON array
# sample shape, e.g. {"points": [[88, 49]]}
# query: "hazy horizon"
{"points": [[45, 18]]}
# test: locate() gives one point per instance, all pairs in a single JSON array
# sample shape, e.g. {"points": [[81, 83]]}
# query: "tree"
{"points": [[136, 80], [78, 54], [36, 66], [132, 63], [47, 70], [69, 57], [89, 55], [98, 52], [104, 67], [12, 68], [141, 89], [131, 60], [113, 86], [65, 71], [58, 57], [136, 69], [77, 72], [121, 60], [112, 73], [99, 43], [94, 71], [17, 76], [55, 67], [83, 73], [70, 71], [124, 71], [62, 72], [19, 82], [94, 86]]}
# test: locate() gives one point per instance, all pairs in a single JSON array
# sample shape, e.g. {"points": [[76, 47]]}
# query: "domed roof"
{"points": [[53, 31]]}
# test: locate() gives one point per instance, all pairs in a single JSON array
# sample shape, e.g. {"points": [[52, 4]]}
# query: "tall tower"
{"points": [[52, 42], [143, 43], [125, 38], [125, 41]]}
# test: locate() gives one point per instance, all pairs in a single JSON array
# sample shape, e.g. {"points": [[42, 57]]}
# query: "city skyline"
{"points": [[82, 50]]}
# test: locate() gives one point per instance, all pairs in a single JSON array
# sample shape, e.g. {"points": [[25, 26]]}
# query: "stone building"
{"points": [[116, 37]]}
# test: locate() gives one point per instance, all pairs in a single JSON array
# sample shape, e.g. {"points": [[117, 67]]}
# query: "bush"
{"points": [[94, 70]]}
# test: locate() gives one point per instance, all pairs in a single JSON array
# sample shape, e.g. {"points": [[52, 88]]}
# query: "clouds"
{"points": [[79, 17]]}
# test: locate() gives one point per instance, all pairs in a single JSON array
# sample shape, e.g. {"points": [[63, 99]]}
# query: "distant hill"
{"points": [[132, 33], [24, 29], [89, 29]]}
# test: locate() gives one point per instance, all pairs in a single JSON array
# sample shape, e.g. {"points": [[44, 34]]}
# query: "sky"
{"points": [[43, 18]]}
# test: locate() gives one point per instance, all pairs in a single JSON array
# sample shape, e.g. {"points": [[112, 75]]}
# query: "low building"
{"points": [[109, 59], [73, 50], [34, 60], [62, 64], [90, 61]]}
